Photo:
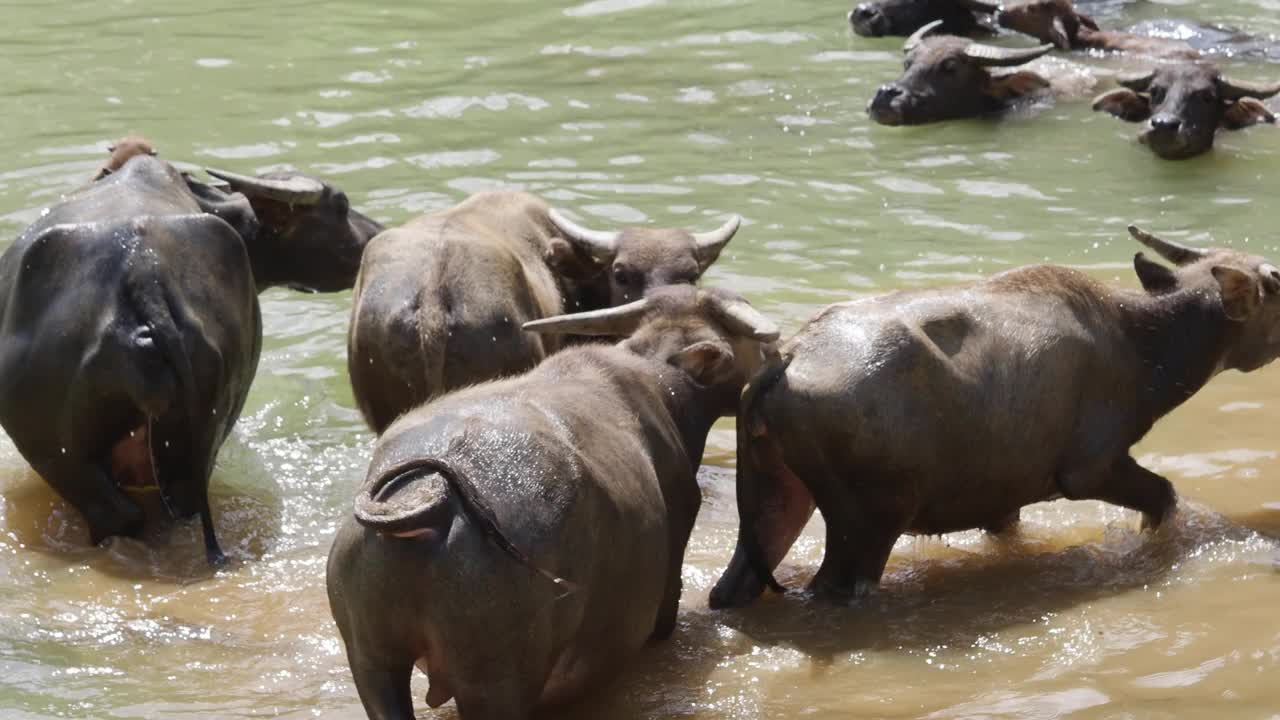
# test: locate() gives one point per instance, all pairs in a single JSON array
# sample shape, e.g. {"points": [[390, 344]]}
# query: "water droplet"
{"points": [[64, 451]]}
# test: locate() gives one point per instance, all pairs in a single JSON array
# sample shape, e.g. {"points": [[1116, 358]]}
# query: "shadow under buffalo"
{"points": [[952, 596], [247, 512]]}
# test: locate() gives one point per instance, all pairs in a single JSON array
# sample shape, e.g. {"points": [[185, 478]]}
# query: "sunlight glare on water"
{"points": [[670, 112]]}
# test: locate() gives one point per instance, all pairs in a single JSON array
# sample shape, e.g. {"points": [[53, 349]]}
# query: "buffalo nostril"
{"points": [[1166, 123], [862, 12]]}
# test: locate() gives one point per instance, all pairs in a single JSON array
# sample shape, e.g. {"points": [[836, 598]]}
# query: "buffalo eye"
{"points": [[1157, 95], [949, 65], [625, 276]]}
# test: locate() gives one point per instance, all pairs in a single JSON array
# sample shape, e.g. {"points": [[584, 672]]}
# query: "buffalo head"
{"points": [[948, 77], [309, 237], [1183, 105], [1248, 287], [637, 259], [1049, 21], [903, 17]]}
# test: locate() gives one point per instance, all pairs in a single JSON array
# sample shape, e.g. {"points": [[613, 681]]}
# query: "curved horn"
{"points": [[621, 320], [602, 244], [992, 56], [1171, 251], [1137, 82], [919, 35], [296, 190], [1236, 89], [743, 320], [707, 245]]}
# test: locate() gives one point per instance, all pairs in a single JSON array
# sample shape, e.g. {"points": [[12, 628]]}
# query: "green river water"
{"points": [[672, 112]]}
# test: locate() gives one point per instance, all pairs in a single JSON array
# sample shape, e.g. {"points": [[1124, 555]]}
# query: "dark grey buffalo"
{"points": [[948, 77], [130, 330], [440, 300], [522, 539], [1182, 106], [903, 17], [933, 411]]}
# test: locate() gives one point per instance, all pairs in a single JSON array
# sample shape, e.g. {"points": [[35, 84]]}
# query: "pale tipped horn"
{"points": [[621, 320], [296, 190], [1236, 89], [1138, 82], [603, 245], [1169, 250], [707, 245], [743, 320], [919, 35], [992, 56]]}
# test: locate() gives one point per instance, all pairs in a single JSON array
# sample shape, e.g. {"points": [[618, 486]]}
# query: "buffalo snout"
{"points": [[868, 21], [886, 107]]}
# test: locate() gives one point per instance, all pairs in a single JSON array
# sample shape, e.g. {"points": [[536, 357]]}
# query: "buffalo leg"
{"points": [[860, 536], [211, 549], [1004, 524], [106, 509], [384, 692], [1128, 484]]}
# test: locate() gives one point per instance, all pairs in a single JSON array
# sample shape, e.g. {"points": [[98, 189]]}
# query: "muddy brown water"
{"points": [[672, 112]]}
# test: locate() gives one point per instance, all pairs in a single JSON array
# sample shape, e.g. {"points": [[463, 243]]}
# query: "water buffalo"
{"points": [[1183, 105], [440, 301], [932, 411], [520, 540], [121, 151], [947, 77], [903, 17], [1057, 22], [130, 331]]}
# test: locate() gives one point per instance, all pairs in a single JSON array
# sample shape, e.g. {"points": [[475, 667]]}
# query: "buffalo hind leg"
{"points": [[860, 537], [384, 692], [107, 510], [1125, 483], [1004, 524]]}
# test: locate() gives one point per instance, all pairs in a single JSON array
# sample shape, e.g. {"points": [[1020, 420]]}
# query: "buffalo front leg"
{"points": [[1124, 483], [107, 510], [384, 691]]}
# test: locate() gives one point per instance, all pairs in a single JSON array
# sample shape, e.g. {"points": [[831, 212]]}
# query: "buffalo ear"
{"points": [[1245, 112], [1155, 278], [1124, 104], [1241, 293], [233, 207], [709, 362], [1012, 86], [566, 260]]}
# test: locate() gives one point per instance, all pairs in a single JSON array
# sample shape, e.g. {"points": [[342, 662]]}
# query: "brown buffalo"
{"points": [[932, 411], [1057, 22], [948, 77], [521, 540], [121, 150], [440, 300], [1182, 106]]}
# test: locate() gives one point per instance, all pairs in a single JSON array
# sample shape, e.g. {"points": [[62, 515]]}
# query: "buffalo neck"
{"points": [[1179, 339]]}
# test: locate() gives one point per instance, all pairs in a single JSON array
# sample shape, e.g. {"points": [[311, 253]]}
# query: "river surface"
{"points": [[676, 113]]}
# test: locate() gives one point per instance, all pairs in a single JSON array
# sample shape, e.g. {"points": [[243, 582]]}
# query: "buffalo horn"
{"points": [[709, 244], [621, 320], [1137, 82], [1236, 89], [743, 320], [1169, 250], [992, 56], [919, 35], [296, 190], [600, 243]]}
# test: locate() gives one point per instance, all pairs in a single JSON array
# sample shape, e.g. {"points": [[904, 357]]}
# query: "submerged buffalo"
{"points": [[948, 77], [520, 540], [130, 328], [904, 17], [933, 411], [440, 300], [1182, 106], [1057, 22]]}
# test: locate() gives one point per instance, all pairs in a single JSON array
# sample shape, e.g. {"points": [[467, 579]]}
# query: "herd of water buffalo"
{"points": [[543, 391], [1180, 96]]}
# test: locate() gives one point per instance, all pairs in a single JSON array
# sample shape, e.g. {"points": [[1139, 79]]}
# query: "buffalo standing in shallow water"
{"points": [[522, 539], [130, 328], [440, 300], [934, 411], [1182, 106], [948, 77], [904, 17]]}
